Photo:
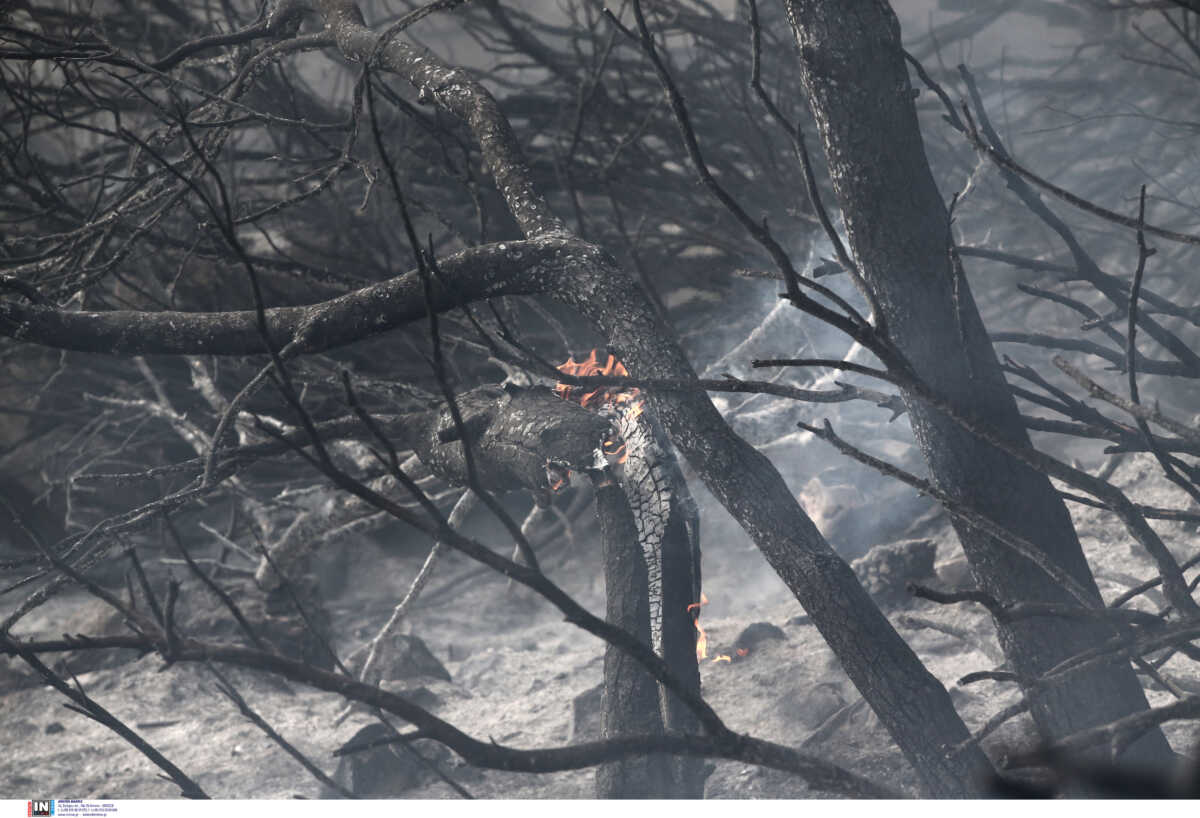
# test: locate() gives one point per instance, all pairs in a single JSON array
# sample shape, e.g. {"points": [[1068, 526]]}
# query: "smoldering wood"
{"points": [[681, 581], [514, 432], [627, 587]]}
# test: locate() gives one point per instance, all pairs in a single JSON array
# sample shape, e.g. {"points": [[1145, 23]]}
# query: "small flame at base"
{"points": [[725, 657], [701, 636]]}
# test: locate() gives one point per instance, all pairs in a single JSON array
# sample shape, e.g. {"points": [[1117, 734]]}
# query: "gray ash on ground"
{"points": [[521, 676]]}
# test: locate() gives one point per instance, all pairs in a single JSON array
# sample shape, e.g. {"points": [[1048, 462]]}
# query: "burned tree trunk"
{"points": [[633, 702], [680, 593], [630, 699], [652, 582], [857, 83]]}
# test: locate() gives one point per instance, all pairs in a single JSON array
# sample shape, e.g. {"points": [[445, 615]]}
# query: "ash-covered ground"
{"points": [[520, 676]]}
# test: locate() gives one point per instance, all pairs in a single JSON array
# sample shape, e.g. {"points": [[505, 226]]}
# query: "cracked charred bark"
{"points": [[680, 589], [630, 699], [857, 83]]}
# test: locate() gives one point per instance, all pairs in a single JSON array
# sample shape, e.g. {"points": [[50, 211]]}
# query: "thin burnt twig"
{"points": [[423, 264], [1135, 289], [230, 692], [94, 710], [1135, 410], [147, 591], [211, 584]]}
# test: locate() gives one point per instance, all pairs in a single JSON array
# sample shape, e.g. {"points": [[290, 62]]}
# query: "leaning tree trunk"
{"points": [[854, 73]]}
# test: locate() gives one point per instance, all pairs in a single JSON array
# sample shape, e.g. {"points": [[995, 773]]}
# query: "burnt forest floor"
{"points": [[520, 676]]}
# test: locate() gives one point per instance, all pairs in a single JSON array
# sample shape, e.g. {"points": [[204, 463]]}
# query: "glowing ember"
{"points": [[724, 657], [701, 637], [557, 475], [742, 651]]}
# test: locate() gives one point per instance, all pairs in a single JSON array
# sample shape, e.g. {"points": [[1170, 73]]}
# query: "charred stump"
{"points": [[629, 703], [680, 593], [633, 702]]}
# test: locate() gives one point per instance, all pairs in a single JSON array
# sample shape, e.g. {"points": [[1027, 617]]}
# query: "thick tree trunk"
{"points": [[909, 701], [633, 702], [857, 83], [629, 704], [681, 588]]}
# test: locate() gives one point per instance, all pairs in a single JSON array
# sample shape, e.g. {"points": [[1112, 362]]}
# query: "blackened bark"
{"points": [[857, 84], [503, 268], [910, 702], [630, 699], [518, 436], [680, 589]]}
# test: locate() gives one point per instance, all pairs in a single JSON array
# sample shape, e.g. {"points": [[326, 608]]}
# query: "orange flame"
{"points": [[725, 657], [602, 395], [701, 636]]}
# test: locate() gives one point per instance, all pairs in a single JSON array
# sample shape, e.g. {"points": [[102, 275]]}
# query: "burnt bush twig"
{"points": [[95, 711], [230, 692], [821, 773]]}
